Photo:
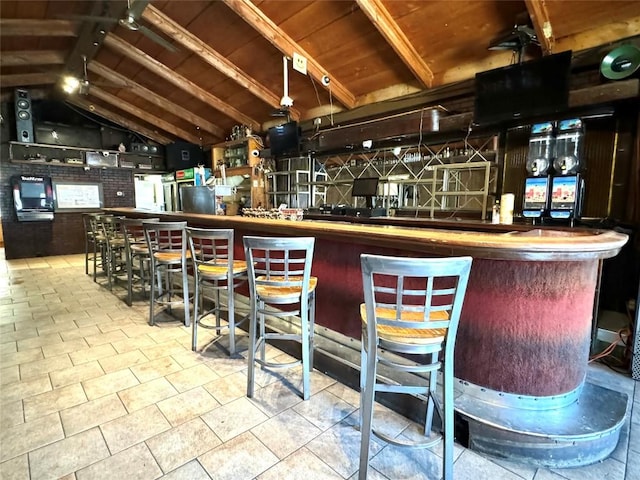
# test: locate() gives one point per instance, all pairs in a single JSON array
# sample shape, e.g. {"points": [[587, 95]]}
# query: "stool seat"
{"points": [[170, 256], [286, 291], [139, 248], [220, 270], [407, 335]]}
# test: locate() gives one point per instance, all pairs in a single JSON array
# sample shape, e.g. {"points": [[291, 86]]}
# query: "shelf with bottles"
{"points": [[241, 158]]}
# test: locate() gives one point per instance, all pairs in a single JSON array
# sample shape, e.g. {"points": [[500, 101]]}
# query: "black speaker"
{"points": [[181, 155], [621, 63], [139, 147], [24, 117]]}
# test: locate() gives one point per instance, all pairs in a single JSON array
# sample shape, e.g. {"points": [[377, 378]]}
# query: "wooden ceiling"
{"points": [[228, 65]]}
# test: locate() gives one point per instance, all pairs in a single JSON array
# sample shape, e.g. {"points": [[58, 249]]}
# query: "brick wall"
{"points": [[65, 234]]}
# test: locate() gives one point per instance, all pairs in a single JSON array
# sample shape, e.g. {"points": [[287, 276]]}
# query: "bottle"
{"points": [[495, 213]]}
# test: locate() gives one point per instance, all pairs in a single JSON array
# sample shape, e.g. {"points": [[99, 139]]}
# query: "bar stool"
{"points": [[409, 317], [94, 238], [167, 244], [137, 256], [279, 271], [214, 268], [114, 244]]}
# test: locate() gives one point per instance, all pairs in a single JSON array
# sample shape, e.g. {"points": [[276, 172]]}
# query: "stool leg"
{"points": [[232, 319], [366, 406], [196, 300], [185, 293], [431, 397], [251, 359], [304, 324], [263, 342], [312, 322], [152, 295], [129, 278], [447, 406]]}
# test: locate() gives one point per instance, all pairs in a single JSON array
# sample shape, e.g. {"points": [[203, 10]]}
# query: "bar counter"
{"points": [[526, 323], [523, 341]]}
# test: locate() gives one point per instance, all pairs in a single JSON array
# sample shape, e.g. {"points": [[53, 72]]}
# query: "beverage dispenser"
{"points": [[567, 185], [539, 160]]}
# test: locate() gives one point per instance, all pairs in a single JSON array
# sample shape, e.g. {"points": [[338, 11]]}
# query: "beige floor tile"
{"points": [[15, 469], [24, 356], [10, 374], [24, 389], [324, 409], [92, 353], [109, 383], [229, 388], [285, 433], [58, 327], [103, 338], [242, 458], [9, 347], [182, 444], [140, 396], [165, 334], [68, 455], [192, 377], [163, 349], [72, 346], [136, 343], [133, 330], [185, 406], [188, 358], [11, 414], [234, 418], [39, 341], [275, 398], [301, 464], [123, 360], [44, 366], [75, 374], [91, 414], [134, 428], [155, 368], [347, 394], [28, 436], [79, 333], [134, 463], [192, 470], [53, 401], [19, 334]]}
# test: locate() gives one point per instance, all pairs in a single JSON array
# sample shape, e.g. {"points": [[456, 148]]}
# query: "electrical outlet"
{"points": [[299, 63]]}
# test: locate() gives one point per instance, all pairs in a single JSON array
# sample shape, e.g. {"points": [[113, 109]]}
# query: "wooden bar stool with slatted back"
{"points": [[214, 268], [409, 322], [279, 271], [167, 243], [137, 255]]}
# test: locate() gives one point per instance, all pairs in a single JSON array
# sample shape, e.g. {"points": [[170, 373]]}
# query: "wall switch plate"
{"points": [[299, 63]]}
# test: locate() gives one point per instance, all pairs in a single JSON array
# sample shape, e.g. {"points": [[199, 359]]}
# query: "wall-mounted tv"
{"points": [[530, 89], [284, 139]]}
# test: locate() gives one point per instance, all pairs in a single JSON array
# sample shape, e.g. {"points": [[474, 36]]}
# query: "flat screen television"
{"points": [[284, 139], [365, 187], [530, 89]]}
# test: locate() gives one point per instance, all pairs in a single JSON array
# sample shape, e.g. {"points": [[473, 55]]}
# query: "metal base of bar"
{"points": [[582, 433]]}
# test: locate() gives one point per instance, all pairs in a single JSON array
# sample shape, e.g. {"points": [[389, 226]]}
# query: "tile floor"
{"points": [[88, 390]]}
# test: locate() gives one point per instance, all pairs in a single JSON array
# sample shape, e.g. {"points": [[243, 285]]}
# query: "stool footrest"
{"points": [[295, 363], [431, 442]]}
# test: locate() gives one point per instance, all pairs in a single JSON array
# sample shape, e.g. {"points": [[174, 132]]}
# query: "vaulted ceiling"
{"points": [[194, 69]]}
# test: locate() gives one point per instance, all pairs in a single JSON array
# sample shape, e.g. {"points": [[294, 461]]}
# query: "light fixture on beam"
{"points": [[70, 84]]}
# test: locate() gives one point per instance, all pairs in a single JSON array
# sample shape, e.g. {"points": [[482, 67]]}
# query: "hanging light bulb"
{"points": [[70, 84]]}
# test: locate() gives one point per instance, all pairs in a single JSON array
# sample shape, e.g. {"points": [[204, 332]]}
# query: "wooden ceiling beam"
{"points": [[26, 79], [283, 42], [156, 99], [176, 32], [612, 32], [395, 37], [141, 114], [118, 119], [126, 49], [23, 27], [541, 24], [31, 57]]}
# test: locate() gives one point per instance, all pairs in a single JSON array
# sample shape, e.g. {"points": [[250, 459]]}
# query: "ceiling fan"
{"points": [[130, 20]]}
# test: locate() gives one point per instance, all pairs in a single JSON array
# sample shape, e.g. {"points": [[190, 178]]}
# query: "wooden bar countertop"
{"points": [[534, 244]]}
